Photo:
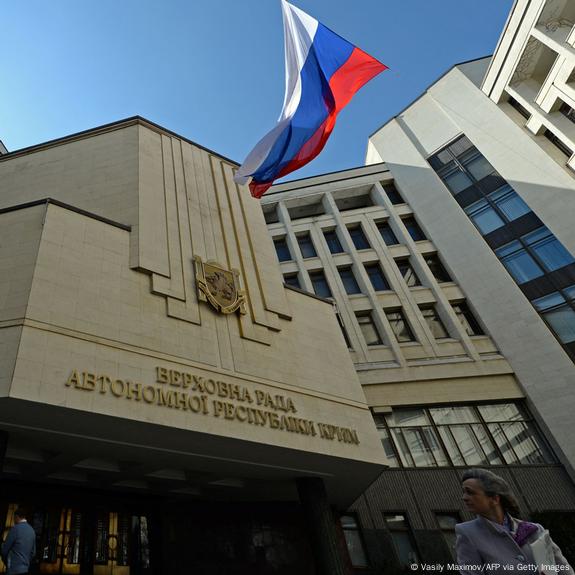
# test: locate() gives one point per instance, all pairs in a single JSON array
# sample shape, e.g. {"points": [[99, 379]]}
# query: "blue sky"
{"points": [[213, 71]]}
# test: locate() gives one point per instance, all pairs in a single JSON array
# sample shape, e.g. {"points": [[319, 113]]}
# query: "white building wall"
{"points": [[451, 107]]}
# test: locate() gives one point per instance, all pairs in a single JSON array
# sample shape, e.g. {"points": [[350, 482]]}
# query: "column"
{"points": [[326, 545]]}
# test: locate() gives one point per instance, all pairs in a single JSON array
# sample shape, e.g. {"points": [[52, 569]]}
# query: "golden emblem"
{"points": [[219, 286]]}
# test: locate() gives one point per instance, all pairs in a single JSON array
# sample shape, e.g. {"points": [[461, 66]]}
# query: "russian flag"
{"points": [[323, 72]]}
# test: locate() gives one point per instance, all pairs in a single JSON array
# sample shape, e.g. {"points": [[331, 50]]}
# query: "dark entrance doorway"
{"points": [[85, 532], [86, 540]]}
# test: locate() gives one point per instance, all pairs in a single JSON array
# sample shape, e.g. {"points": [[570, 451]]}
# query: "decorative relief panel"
{"points": [[196, 209]]}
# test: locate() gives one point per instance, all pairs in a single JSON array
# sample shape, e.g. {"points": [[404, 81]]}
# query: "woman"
{"points": [[496, 541]]}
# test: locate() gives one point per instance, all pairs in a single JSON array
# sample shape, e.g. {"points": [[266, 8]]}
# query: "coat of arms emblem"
{"points": [[219, 286]]}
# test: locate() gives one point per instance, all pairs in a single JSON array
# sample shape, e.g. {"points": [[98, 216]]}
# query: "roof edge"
{"points": [[427, 90], [112, 126]]}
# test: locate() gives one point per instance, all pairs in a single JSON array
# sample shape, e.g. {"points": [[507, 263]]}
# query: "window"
{"points": [[516, 436], [437, 269], [399, 326], [548, 249], [368, 329], [456, 180], [402, 538], [476, 164], [446, 523], [455, 435], [558, 143], [320, 285], [509, 203], [518, 262], [407, 272], [282, 250], [559, 313], [485, 218], [434, 323], [467, 319], [413, 229], [333, 242], [306, 246], [353, 541], [387, 234], [522, 110], [292, 280], [349, 282], [376, 276], [567, 111], [358, 238], [392, 193]]}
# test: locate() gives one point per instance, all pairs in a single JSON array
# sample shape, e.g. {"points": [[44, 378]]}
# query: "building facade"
{"points": [[167, 404]]}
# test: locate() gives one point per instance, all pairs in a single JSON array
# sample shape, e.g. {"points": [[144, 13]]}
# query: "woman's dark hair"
{"points": [[494, 485]]}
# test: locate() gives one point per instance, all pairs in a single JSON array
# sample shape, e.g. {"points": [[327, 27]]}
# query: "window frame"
{"points": [[354, 228], [306, 239], [525, 417], [282, 243]]}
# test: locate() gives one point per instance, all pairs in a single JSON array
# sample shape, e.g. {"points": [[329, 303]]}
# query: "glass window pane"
{"points": [[569, 292], [434, 323], [407, 418], [401, 534], [467, 319], [500, 412], [387, 234], [501, 441], [468, 445], [368, 329], [408, 273], [437, 269], [377, 278], [413, 229], [399, 326], [509, 203], [282, 250], [548, 248], [521, 439], [450, 415], [451, 446], [320, 285], [487, 445], [518, 262], [349, 282], [478, 166], [456, 181], [388, 447], [353, 541], [393, 194], [306, 246], [484, 217], [418, 447], [358, 238], [402, 449], [333, 242], [292, 280], [549, 301], [562, 322], [447, 521]]}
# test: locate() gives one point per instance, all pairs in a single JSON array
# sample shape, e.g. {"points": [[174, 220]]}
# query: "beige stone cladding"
{"points": [[426, 370], [110, 323], [18, 253], [450, 107]]}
